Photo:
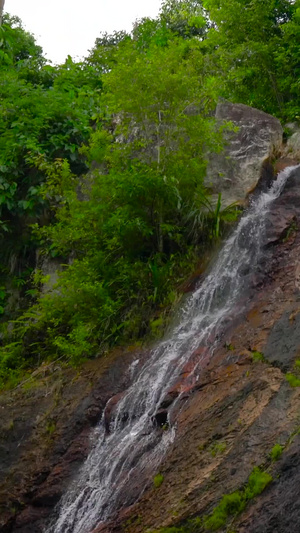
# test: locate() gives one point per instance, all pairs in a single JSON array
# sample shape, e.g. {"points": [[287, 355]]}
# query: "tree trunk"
{"points": [[1, 10]]}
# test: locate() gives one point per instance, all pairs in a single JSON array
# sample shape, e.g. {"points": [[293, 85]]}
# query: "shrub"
{"points": [[258, 356], [258, 480], [293, 380], [276, 452], [234, 503], [230, 505]]}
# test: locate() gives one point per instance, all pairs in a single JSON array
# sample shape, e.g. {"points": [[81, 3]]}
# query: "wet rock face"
{"points": [[45, 428], [236, 171], [226, 422], [241, 407], [278, 510]]}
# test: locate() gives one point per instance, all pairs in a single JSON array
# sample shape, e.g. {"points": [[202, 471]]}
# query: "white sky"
{"points": [[65, 27]]}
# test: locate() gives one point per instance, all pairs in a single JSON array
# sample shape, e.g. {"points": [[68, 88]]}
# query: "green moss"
{"points": [[51, 427], [233, 504], [217, 448], [276, 452], [157, 480], [293, 380], [230, 505], [258, 356]]}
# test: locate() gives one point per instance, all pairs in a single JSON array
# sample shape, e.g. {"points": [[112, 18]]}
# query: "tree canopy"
{"points": [[102, 165]]}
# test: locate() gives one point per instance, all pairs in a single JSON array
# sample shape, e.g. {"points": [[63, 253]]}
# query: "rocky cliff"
{"points": [[251, 144], [246, 402]]}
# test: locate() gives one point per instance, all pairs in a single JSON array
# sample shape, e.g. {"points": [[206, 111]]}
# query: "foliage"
{"points": [[129, 225], [102, 56], [254, 49], [102, 165], [45, 111], [184, 18], [18, 47]]}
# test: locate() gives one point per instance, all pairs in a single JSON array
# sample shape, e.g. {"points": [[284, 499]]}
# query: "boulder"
{"points": [[292, 148], [237, 170]]}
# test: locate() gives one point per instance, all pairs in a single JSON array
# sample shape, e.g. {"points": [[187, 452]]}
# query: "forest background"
{"points": [[102, 166]]}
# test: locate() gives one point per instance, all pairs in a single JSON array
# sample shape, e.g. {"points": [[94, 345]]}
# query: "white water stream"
{"points": [[133, 448]]}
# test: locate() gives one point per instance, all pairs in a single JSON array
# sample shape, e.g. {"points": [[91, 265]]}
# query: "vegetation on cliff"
{"points": [[230, 506], [102, 165]]}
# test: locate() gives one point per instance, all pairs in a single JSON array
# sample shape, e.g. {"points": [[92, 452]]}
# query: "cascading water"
{"points": [[133, 445]]}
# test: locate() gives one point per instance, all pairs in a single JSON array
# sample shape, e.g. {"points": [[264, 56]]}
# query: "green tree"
{"points": [[103, 56], [184, 18], [46, 114], [162, 101], [103, 162], [242, 48], [127, 224], [287, 61]]}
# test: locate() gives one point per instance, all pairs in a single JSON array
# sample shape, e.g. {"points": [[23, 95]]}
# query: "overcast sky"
{"points": [[65, 27]]}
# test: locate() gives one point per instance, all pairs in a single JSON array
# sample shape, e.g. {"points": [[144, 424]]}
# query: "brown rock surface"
{"points": [[257, 139], [44, 435], [241, 408]]}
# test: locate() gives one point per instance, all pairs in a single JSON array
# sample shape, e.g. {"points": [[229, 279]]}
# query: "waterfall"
{"points": [[134, 446]]}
